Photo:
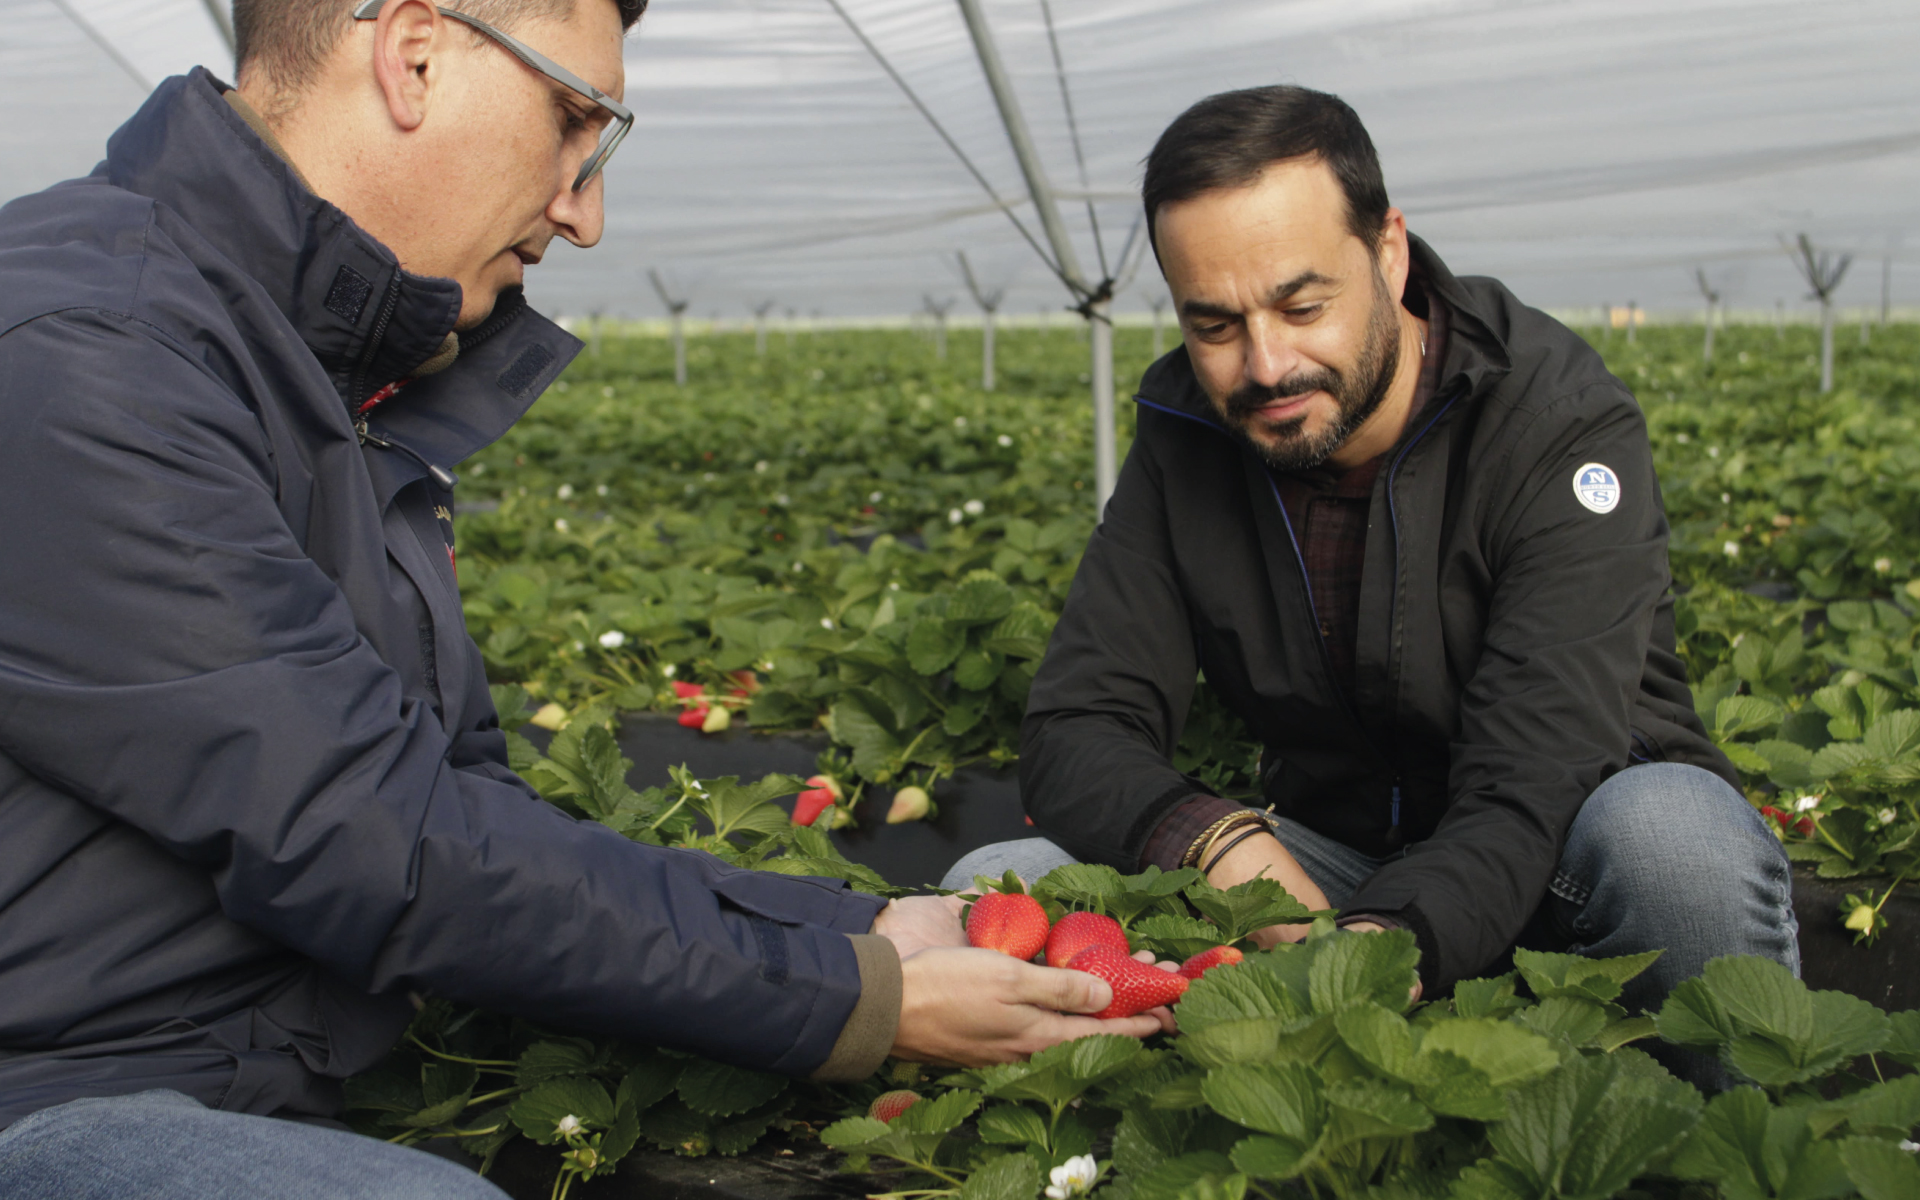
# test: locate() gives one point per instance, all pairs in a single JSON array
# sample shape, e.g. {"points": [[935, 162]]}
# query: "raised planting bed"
{"points": [[1886, 973], [777, 1169]]}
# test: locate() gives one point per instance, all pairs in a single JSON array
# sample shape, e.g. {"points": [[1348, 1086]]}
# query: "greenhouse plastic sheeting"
{"points": [[1585, 151]]}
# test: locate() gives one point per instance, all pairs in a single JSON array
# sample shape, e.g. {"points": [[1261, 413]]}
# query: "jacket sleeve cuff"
{"points": [[1176, 831], [867, 1037]]}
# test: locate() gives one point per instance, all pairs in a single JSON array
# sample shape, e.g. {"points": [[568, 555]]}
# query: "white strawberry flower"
{"points": [[1713, 452], [565, 492], [1683, 438], [1726, 497], [669, 670], [613, 639], [1883, 565], [1072, 1177], [974, 508], [761, 466], [954, 516], [959, 422], [826, 622], [567, 1126], [874, 497], [602, 490], [1887, 816], [1910, 1147], [560, 523], [1004, 440], [1806, 804], [1731, 549]]}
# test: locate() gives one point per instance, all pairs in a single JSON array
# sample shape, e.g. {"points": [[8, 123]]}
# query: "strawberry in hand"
{"points": [[1078, 930], [1137, 986], [1010, 922]]}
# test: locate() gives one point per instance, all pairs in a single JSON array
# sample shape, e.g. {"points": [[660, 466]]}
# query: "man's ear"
{"points": [[407, 39], [1393, 254]]}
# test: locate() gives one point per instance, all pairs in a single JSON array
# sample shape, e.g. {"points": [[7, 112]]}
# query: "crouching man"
{"points": [[1408, 528], [252, 790]]}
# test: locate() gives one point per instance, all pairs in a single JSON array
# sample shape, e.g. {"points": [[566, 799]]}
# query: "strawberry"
{"points": [[1137, 986], [694, 718], [909, 804], [808, 806], [1010, 922], [745, 683], [829, 783], [717, 721], [892, 1104], [1207, 960], [688, 691], [1078, 930]]}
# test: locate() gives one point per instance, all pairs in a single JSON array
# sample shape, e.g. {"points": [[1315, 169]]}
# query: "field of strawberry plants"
{"points": [[849, 536]]}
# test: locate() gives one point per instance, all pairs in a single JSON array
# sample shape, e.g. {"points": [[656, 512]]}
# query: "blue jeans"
{"points": [[161, 1145], [1662, 857]]}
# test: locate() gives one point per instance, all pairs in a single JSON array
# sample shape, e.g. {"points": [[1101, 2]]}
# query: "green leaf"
{"points": [[1357, 968], [1371, 1108], [1491, 1179], [1453, 1087], [1012, 1125], [674, 1127], [1894, 737], [1280, 1098], [1223, 1043], [650, 1082], [933, 645], [1880, 1169], [977, 669], [540, 1110], [1692, 1016], [1091, 1059], [1008, 1177], [1600, 979], [1507, 1054], [1574, 1021], [1269, 1157], [1760, 994], [1174, 937], [1246, 907], [876, 751], [720, 1090], [1625, 1031], [1023, 633], [1238, 993], [1738, 715], [982, 597], [1381, 1039], [555, 1060], [1083, 885], [1173, 1176], [1903, 1037], [1486, 997], [736, 1135], [940, 1114], [851, 1132]]}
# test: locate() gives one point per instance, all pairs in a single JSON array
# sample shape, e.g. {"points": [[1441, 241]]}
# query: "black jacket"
{"points": [[252, 788], [1515, 646]]}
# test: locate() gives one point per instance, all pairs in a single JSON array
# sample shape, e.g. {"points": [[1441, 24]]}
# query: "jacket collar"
{"points": [[1476, 353], [367, 321]]}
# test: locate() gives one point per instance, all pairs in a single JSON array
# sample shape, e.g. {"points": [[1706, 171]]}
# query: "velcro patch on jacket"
{"points": [[773, 949], [347, 298], [525, 369]]}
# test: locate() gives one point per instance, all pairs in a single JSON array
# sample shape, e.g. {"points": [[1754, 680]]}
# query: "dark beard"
{"points": [[1358, 396]]}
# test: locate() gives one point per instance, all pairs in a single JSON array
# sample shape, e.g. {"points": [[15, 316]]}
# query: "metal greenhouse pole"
{"points": [[1096, 300]]}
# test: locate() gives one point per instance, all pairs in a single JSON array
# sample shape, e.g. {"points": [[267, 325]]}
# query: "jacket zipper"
{"points": [[388, 303], [445, 478], [1326, 657]]}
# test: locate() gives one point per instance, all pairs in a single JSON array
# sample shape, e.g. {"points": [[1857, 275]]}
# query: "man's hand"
{"points": [[1263, 854], [969, 1007], [922, 922]]}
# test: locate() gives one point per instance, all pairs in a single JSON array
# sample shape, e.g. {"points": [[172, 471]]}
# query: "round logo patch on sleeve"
{"points": [[1597, 487]]}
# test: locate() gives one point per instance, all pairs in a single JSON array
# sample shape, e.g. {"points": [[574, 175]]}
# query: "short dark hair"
{"points": [[1227, 140], [291, 39]]}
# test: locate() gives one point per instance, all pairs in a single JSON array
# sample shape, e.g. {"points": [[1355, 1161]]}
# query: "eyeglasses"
{"points": [[622, 116]]}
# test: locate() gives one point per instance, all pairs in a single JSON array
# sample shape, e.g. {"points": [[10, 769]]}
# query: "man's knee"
{"points": [[1029, 858], [1676, 825]]}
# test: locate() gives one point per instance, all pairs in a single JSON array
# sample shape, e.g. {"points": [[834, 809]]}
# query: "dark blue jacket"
{"points": [[252, 788]]}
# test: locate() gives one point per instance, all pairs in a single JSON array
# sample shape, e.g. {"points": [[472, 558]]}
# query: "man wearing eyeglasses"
{"points": [[253, 793]]}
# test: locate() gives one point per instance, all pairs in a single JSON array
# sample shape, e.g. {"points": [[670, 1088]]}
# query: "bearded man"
{"points": [[254, 797], [1409, 531]]}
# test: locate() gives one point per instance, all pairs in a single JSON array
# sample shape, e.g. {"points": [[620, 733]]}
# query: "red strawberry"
{"points": [[1010, 922], [808, 806], [694, 718], [745, 683], [1137, 986], [688, 691], [829, 783], [892, 1104], [1078, 930], [1207, 960]]}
